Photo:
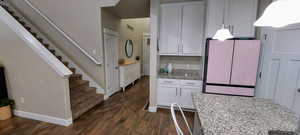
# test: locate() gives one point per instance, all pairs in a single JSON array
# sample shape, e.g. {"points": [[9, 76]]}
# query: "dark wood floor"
{"points": [[122, 114]]}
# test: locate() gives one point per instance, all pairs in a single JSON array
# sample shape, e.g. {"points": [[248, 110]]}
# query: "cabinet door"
{"points": [[296, 106], [169, 28], [219, 61], [242, 15], [166, 95], [185, 99], [214, 16], [245, 62], [192, 28]]}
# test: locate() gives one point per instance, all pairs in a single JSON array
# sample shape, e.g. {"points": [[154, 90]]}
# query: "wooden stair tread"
{"points": [[81, 96], [73, 70], [75, 77], [46, 45], [82, 89], [59, 57], [65, 63], [83, 107], [78, 83], [22, 23], [52, 51], [28, 28], [16, 17]]}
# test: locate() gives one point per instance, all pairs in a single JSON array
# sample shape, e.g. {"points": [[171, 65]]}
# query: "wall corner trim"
{"points": [[152, 109], [44, 118]]}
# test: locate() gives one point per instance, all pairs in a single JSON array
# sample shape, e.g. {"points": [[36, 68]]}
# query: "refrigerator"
{"points": [[231, 67]]}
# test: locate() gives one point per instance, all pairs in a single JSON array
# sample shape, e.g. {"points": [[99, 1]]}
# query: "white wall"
{"points": [[154, 59], [109, 20], [81, 20], [44, 91], [140, 26], [179, 62]]}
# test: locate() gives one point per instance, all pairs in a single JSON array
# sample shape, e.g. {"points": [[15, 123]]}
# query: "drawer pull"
{"points": [[167, 81]]}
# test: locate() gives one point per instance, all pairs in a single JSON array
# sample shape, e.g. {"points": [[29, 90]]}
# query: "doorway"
{"points": [[111, 42], [146, 54]]}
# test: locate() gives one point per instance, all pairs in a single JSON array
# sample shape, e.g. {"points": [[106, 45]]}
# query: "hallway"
{"points": [[122, 114]]}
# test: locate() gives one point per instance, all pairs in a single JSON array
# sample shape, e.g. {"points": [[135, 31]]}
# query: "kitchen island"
{"points": [[233, 115]]}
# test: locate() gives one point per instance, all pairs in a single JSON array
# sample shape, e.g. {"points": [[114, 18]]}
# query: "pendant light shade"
{"points": [[280, 13], [223, 34]]}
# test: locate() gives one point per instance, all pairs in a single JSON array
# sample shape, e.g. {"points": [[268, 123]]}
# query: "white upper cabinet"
{"points": [[182, 29], [169, 28], [214, 16], [239, 16], [192, 28]]}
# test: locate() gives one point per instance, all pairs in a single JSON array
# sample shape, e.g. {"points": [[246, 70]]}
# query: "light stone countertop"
{"points": [[233, 115], [182, 74]]}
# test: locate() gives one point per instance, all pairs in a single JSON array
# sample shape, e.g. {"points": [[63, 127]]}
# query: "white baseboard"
{"points": [[152, 109], [44, 118]]}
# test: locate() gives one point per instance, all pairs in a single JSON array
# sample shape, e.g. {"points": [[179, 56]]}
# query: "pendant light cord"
{"points": [[223, 20]]}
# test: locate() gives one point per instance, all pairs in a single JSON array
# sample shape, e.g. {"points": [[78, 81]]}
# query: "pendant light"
{"points": [[223, 33], [280, 13]]}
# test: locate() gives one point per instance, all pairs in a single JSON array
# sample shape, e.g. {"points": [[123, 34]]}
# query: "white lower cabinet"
{"points": [[185, 97], [175, 91], [167, 95]]}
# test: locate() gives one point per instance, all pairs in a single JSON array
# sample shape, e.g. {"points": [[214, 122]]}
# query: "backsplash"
{"points": [[178, 62]]}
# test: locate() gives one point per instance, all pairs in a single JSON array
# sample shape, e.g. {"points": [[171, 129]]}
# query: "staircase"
{"points": [[82, 96]]}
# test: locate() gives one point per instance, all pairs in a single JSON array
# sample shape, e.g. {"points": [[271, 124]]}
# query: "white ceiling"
{"points": [[131, 9]]}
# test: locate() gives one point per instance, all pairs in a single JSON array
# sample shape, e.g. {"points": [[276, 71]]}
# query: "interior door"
{"points": [[192, 28], [146, 55], [170, 28], [241, 15], [245, 62], [219, 61], [112, 65]]}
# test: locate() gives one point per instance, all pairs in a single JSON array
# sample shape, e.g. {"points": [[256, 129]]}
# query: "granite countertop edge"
{"points": [[195, 97]]}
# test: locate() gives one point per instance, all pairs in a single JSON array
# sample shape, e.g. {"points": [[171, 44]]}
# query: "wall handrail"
{"points": [[63, 33]]}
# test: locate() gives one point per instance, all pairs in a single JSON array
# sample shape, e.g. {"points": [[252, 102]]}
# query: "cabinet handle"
{"points": [[232, 29], [298, 90], [176, 91], [180, 91], [167, 82], [190, 83]]}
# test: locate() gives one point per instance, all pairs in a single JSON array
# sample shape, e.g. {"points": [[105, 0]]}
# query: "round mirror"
{"points": [[129, 48]]}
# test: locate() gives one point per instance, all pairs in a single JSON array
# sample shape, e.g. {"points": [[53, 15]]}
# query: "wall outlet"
{"points": [[22, 100]]}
